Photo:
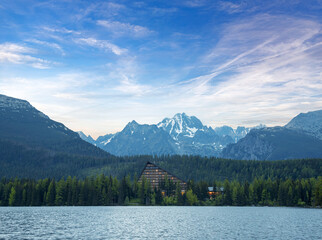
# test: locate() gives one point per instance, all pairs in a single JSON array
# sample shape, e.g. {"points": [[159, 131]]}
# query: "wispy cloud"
{"points": [[100, 8], [85, 96], [163, 11], [103, 44], [273, 73], [19, 54], [115, 6], [195, 3], [60, 30], [130, 87], [122, 29], [55, 46], [232, 7]]}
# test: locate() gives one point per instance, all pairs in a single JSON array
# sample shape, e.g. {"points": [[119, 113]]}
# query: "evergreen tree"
{"points": [[227, 193], [60, 193], [158, 196], [12, 197], [191, 197], [51, 194]]}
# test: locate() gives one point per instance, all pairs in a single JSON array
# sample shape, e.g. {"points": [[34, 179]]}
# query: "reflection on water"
{"points": [[160, 223]]}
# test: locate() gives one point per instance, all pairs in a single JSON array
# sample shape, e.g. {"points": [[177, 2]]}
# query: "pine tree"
{"points": [[227, 194], [60, 198], [51, 194], [12, 197]]}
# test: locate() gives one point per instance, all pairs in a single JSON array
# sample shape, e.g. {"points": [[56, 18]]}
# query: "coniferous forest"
{"points": [[108, 191]]}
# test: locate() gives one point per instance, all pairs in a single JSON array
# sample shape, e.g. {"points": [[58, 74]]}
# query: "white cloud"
{"points": [[103, 44], [61, 30], [131, 87], [121, 29], [83, 101], [115, 6], [55, 46], [273, 73], [18, 54], [231, 7]]}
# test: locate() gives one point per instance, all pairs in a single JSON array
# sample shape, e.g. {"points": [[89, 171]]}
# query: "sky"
{"points": [[97, 65]]}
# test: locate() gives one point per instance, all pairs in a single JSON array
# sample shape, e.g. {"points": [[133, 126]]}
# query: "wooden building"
{"points": [[214, 192], [155, 175]]}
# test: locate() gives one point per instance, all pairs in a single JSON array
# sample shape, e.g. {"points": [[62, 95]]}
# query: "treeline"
{"points": [[209, 169], [212, 168], [109, 191]]}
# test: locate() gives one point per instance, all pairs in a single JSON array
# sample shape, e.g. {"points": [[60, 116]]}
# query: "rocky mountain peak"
{"points": [[181, 125]]}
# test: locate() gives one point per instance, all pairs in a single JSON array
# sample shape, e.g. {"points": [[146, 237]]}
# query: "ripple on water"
{"points": [[160, 223]]}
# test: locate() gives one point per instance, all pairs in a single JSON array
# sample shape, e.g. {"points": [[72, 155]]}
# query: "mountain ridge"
{"points": [[300, 138], [23, 124], [189, 136]]}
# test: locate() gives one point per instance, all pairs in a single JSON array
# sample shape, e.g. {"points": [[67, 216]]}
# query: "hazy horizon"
{"points": [[97, 66]]}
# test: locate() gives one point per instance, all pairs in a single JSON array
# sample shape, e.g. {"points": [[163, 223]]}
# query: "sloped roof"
{"points": [[162, 170]]}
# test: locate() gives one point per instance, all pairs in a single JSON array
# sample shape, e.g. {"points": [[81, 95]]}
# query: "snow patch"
{"points": [[108, 141]]}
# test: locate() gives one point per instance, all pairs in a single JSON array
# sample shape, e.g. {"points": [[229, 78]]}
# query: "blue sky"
{"points": [[96, 65]]}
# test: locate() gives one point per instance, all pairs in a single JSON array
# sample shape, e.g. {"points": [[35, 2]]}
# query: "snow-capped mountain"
{"points": [[181, 126], [181, 134], [192, 136], [310, 122]]}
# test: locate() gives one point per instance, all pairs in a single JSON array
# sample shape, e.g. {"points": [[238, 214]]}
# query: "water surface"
{"points": [[160, 223]]}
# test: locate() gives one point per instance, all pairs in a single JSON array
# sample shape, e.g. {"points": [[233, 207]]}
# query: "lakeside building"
{"points": [[214, 192], [157, 175]]}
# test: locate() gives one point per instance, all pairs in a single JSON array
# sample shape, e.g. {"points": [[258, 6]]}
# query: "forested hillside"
{"points": [[41, 164]]}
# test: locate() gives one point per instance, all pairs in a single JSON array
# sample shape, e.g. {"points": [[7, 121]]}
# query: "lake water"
{"points": [[160, 223]]}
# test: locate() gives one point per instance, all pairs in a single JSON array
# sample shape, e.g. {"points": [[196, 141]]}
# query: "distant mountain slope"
{"points": [[277, 143], [235, 135], [310, 122], [88, 138], [137, 139], [23, 124], [300, 138]]}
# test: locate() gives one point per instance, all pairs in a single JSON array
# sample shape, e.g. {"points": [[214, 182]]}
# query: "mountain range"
{"points": [[30, 138], [300, 138], [34, 146], [182, 135], [186, 135]]}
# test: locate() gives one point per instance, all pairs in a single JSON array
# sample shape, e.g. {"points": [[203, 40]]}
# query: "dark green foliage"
{"points": [[103, 191], [210, 169], [21, 161]]}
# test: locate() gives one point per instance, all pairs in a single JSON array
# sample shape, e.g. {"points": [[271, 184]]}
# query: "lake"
{"points": [[160, 223]]}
